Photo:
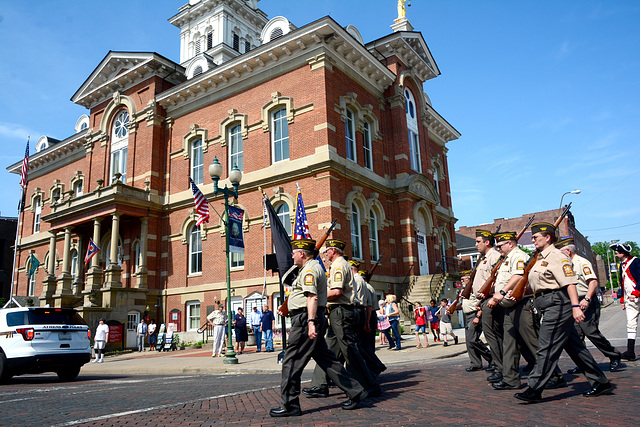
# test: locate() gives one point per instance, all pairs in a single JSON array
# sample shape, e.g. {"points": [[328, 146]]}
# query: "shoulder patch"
{"points": [[308, 279], [520, 265], [568, 271], [586, 270], [337, 276]]}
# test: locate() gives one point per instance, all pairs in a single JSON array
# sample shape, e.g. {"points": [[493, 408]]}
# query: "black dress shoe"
{"points": [[551, 384], [501, 385], [473, 369], [529, 396], [355, 402], [629, 355], [283, 412], [455, 339], [614, 365], [316, 392], [495, 377], [598, 389], [575, 370], [490, 368]]}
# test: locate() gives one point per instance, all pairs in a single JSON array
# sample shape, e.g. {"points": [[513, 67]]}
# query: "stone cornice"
{"points": [[190, 12], [438, 126], [411, 49]]}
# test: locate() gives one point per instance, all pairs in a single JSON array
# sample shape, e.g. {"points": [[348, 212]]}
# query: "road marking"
{"points": [[154, 408]]}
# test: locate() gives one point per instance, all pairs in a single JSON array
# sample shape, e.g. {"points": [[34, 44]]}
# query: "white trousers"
{"points": [[218, 339], [632, 310]]}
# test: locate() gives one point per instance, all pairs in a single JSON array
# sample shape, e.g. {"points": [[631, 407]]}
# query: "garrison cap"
{"points": [[354, 263], [305, 244], [464, 273], [335, 243], [506, 236], [542, 226], [484, 233], [565, 241], [622, 248]]}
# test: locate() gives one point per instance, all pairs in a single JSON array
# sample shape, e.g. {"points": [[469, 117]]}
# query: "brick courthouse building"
{"points": [[315, 105]]}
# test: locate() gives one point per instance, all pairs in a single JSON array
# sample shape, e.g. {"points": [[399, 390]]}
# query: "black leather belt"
{"points": [[297, 311], [545, 292]]}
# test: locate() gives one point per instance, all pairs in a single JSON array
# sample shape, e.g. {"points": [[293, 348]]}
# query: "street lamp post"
{"points": [[609, 263], [568, 192], [215, 171]]}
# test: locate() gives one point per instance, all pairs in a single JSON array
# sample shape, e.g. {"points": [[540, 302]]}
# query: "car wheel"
{"points": [[5, 375], [68, 374]]}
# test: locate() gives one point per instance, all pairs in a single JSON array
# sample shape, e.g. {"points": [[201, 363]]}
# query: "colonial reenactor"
{"points": [[630, 269], [307, 303], [587, 284], [553, 283], [477, 349], [342, 338], [492, 318]]}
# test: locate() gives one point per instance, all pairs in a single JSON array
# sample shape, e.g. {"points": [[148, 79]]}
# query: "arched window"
{"points": [[196, 161], [373, 234], [209, 40], [195, 250], [136, 257], [284, 217], [236, 157], [197, 71], [412, 125], [350, 135], [108, 253], [236, 43], [277, 32], [37, 213], [280, 135], [366, 145], [356, 236], [74, 265], [32, 285], [436, 179], [119, 144]]}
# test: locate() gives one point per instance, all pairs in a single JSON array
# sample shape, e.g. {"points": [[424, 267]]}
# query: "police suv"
{"points": [[35, 340]]}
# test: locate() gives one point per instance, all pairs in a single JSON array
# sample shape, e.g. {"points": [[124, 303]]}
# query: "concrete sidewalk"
{"points": [[199, 361]]}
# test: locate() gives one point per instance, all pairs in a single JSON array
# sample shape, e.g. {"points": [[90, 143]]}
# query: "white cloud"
{"points": [[16, 131]]}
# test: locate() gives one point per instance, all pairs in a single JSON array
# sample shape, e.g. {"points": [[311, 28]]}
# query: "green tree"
{"points": [[603, 249]]}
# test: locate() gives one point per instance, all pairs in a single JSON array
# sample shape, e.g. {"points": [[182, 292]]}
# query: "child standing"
{"points": [[445, 322], [420, 314], [434, 323]]}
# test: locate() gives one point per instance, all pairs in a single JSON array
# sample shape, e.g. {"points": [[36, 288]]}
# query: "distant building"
{"points": [[7, 240]]}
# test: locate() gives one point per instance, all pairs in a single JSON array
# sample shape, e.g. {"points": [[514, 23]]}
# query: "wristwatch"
{"points": [[502, 292], [311, 320], [587, 299]]}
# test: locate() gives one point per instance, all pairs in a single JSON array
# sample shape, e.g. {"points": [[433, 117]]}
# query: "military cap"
{"points": [[335, 243], [354, 263], [464, 273], [306, 244], [565, 241], [622, 248], [542, 226], [484, 233], [363, 273], [506, 236]]}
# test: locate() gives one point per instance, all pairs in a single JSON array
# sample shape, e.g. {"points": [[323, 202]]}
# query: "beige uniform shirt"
{"points": [[371, 296], [584, 273], [359, 296], [553, 270], [341, 277], [513, 264], [483, 271], [311, 279]]}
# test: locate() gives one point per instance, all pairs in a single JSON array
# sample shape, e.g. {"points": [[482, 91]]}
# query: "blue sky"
{"points": [[546, 93]]}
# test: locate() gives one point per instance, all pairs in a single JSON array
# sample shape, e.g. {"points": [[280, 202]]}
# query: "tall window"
{"points": [[350, 136], [412, 126], [32, 285], [74, 265], [236, 43], [284, 217], [77, 188], [196, 161], [108, 253], [198, 46], [119, 143], [436, 179], [195, 250], [209, 40], [280, 135], [373, 234], [247, 47], [37, 214], [366, 145], [136, 257], [356, 240], [235, 144], [236, 260], [193, 315]]}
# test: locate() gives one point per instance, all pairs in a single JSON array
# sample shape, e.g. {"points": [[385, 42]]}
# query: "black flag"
{"points": [[281, 241]]}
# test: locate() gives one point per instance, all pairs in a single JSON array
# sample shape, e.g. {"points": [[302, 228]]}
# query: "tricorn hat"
{"points": [[622, 248]]}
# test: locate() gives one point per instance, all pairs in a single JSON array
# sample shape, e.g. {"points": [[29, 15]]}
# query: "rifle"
{"points": [[518, 290], [488, 284], [369, 275], [293, 271]]}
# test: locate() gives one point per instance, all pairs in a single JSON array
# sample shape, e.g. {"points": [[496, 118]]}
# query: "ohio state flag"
{"points": [[91, 251]]}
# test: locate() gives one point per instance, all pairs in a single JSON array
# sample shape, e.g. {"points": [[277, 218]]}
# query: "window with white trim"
{"points": [[350, 135], [77, 188], [119, 144], [196, 159], [74, 265], [373, 234], [32, 285], [209, 40], [236, 43], [285, 217], [366, 145], [193, 315], [37, 214], [236, 157], [356, 235], [195, 250], [136, 256], [119, 256], [236, 260], [280, 135], [412, 126]]}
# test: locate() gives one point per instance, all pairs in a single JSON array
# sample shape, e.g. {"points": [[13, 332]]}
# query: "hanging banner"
{"points": [[236, 241]]}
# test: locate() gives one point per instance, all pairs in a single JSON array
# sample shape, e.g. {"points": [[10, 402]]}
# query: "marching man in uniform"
{"points": [[630, 267]]}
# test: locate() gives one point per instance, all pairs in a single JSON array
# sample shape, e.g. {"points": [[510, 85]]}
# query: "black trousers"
{"points": [[589, 328], [492, 326], [476, 349]]}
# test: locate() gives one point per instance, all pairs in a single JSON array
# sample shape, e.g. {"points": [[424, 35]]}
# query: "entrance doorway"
{"points": [[133, 318], [423, 254]]}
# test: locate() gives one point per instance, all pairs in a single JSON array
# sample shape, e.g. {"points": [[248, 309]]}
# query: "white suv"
{"points": [[35, 340]]}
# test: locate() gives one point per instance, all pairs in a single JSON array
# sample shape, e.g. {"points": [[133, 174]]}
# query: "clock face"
{"points": [[121, 125]]}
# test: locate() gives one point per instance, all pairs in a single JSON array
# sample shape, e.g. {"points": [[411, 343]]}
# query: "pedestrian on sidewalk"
{"points": [[219, 319], [255, 318], [446, 328], [240, 326], [266, 327], [420, 314], [153, 337], [384, 326], [141, 333], [434, 323], [100, 340], [393, 314]]}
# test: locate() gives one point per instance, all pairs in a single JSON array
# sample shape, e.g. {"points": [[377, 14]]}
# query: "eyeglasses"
{"points": [[501, 245]]}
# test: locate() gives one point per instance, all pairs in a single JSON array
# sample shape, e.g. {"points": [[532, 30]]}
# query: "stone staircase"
{"points": [[423, 289]]}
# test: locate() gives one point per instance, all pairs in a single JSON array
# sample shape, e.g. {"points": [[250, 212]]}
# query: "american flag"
{"points": [[24, 176], [202, 205], [301, 229]]}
